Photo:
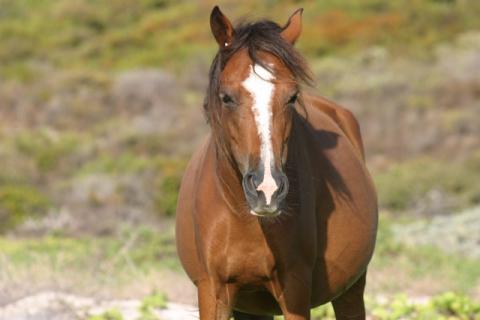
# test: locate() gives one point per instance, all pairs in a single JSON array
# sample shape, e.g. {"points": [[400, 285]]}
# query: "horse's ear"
{"points": [[291, 31], [221, 27]]}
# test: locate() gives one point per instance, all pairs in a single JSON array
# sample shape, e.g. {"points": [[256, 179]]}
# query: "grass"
{"points": [[150, 303], [143, 248], [448, 305], [420, 270], [146, 310], [112, 314], [137, 252], [134, 262]]}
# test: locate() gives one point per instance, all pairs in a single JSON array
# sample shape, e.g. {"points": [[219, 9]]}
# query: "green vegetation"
{"points": [[445, 306], [457, 273], [407, 183], [119, 164], [135, 252], [150, 303], [112, 314], [144, 248], [18, 202], [168, 184], [46, 148], [166, 172], [124, 34]]}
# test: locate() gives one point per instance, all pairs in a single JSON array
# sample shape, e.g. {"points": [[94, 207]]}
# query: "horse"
{"points": [[277, 212]]}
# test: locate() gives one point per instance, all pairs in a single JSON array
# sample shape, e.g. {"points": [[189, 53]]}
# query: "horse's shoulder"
{"points": [[343, 117]]}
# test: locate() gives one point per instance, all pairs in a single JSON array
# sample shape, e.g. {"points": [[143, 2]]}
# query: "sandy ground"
{"points": [[51, 305]]}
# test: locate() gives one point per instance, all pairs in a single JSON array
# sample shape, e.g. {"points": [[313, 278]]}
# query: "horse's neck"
{"points": [[298, 167]]}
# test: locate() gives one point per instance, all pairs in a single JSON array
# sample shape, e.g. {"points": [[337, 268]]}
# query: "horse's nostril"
{"points": [[251, 181], [249, 184]]}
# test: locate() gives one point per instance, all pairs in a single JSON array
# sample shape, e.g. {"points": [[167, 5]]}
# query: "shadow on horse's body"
{"points": [[317, 250]]}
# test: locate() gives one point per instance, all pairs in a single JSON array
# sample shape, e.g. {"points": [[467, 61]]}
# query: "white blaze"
{"points": [[259, 85]]}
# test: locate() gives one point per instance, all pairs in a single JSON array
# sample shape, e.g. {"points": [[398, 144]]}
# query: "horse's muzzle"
{"points": [[265, 200]]}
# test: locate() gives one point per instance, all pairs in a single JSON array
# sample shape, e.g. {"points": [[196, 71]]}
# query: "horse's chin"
{"points": [[265, 214]]}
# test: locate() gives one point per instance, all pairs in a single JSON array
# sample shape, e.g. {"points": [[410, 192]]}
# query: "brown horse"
{"points": [[277, 212]]}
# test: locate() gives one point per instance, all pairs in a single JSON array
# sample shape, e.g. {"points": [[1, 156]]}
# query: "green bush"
{"points": [[112, 314], [324, 312], [124, 163], [46, 148], [18, 202], [167, 184], [153, 248], [447, 306], [454, 304], [150, 303], [147, 250], [405, 183]]}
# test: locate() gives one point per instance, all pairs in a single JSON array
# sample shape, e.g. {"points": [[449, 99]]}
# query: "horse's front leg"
{"points": [[215, 299], [350, 305], [293, 293]]}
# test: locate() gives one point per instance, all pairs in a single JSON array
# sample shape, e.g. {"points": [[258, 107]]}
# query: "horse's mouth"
{"points": [[267, 213]]}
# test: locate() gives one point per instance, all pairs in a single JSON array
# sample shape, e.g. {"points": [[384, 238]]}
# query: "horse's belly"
{"points": [[344, 253]]}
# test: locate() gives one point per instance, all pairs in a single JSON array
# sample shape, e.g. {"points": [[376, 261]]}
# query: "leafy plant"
{"points": [[112, 314], [46, 148], [167, 184], [18, 202], [449, 306], [150, 303], [406, 183]]}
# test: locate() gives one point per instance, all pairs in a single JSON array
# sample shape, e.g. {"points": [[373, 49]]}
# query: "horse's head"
{"points": [[254, 86]]}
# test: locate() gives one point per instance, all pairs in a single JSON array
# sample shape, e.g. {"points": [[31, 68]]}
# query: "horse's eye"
{"points": [[292, 99], [227, 100]]}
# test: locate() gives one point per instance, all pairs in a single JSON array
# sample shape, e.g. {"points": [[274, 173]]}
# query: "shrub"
{"points": [[449, 305], [18, 202], [150, 303], [167, 184], [404, 184], [116, 164], [46, 148], [112, 314]]}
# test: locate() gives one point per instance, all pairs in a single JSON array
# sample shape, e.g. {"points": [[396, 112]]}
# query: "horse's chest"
{"points": [[245, 263]]}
